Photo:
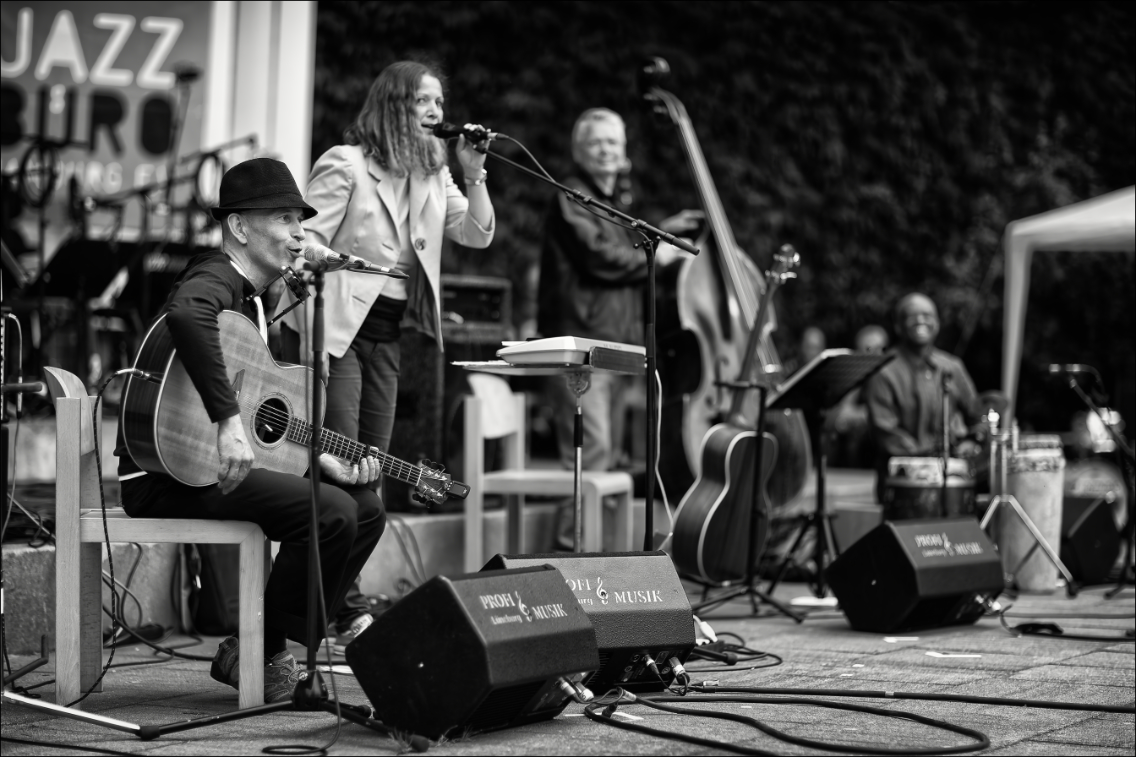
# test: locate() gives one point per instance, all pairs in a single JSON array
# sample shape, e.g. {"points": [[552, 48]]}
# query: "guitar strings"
{"points": [[334, 442]]}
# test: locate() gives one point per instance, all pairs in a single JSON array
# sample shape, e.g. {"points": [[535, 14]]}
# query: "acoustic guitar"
{"points": [[168, 431], [715, 518]]}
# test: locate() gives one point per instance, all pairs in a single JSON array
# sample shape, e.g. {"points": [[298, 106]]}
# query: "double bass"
{"points": [[706, 308]]}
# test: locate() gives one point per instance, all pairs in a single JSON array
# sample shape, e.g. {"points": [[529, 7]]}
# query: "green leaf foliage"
{"points": [[891, 143]]}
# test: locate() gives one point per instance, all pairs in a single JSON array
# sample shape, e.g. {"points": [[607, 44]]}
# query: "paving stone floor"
{"points": [[979, 660]]}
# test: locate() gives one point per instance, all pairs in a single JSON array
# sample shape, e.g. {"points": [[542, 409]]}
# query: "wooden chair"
{"points": [[505, 420], [78, 554]]}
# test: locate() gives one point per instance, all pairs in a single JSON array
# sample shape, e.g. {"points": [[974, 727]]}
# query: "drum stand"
{"points": [[1000, 441]]}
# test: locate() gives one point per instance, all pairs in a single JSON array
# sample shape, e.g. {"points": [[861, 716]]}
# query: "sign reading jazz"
{"points": [[100, 79]]}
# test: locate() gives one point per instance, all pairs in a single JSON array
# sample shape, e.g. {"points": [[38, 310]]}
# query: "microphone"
{"points": [[446, 131], [946, 370], [319, 258]]}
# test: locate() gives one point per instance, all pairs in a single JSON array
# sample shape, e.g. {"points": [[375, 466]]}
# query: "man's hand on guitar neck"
{"points": [[234, 452], [341, 472]]}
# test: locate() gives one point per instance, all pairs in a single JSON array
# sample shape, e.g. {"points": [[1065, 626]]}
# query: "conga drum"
{"points": [[1036, 478], [914, 487]]}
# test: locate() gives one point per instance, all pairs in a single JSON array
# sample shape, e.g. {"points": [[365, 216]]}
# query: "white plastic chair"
{"points": [[495, 412]]}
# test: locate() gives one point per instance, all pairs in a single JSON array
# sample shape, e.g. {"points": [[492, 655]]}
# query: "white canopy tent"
{"points": [[1105, 223]]}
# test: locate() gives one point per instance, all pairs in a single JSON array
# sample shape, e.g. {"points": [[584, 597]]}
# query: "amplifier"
{"points": [[912, 574], [476, 652], [638, 606], [471, 300]]}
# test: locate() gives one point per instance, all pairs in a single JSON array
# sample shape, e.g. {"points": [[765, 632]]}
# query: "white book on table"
{"points": [[560, 349]]}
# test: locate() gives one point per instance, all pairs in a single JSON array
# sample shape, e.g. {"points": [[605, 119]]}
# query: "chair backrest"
{"points": [[61, 383], [491, 414], [498, 408], [76, 470]]}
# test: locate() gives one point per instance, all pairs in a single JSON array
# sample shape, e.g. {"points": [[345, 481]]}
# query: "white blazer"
{"points": [[356, 205]]}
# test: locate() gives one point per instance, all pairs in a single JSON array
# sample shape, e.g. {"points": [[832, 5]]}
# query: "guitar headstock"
{"points": [[435, 486], [784, 261]]}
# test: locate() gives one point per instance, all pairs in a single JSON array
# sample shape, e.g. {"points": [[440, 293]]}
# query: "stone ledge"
{"points": [[29, 580]]}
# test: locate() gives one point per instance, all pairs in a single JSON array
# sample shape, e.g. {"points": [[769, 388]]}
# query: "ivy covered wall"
{"points": [[891, 143]]}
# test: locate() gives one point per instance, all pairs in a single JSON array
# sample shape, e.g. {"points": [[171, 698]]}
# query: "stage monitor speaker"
{"points": [[1090, 542], [913, 574], [639, 609], [476, 652]]}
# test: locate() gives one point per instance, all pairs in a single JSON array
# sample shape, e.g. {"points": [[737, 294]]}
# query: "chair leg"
{"points": [[624, 524], [90, 616], [474, 532], [251, 622], [515, 524], [474, 466], [78, 635], [592, 506]]}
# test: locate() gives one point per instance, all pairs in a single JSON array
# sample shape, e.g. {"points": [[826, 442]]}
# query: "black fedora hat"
{"points": [[259, 183]]}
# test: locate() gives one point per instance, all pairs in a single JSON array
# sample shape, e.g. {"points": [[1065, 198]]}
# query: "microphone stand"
{"points": [[945, 388], [651, 238]]}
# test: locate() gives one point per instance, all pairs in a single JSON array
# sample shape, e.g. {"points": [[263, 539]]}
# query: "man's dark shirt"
{"points": [[905, 405], [208, 285], [592, 278]]}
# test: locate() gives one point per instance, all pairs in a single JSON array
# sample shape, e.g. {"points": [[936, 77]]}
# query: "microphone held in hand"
{"points": [[320, 258], [447, 131]]}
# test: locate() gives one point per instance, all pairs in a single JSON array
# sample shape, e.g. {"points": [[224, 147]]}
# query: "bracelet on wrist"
{"points": [[470, 181]]}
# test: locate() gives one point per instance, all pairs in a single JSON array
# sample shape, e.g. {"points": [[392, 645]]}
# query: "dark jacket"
{"points": [[592, 278], [905, 406], [208, 285]]}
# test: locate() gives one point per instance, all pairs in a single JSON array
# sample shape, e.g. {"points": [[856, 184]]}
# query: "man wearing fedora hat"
{"points": [[260, 212]]}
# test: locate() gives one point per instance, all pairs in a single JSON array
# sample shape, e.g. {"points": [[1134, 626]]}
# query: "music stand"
{"points": [[578, 376], [814, 389]]}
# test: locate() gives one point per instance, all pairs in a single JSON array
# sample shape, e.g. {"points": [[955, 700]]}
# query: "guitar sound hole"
{"points": [[271, 420]]}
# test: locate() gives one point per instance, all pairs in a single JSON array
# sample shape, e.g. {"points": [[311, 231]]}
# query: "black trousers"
{"points": [[351, 520]]}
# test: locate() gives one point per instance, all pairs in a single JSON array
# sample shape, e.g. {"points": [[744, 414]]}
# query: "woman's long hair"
{"points": [[387, 128]]}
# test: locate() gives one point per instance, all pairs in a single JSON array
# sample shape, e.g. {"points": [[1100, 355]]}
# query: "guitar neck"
{"points": [[351, 451]]}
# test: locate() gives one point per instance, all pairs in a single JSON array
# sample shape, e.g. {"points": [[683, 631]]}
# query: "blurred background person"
{"points": [[592, 285], [385, 195], [850, 442], [904, 398], [811, 344]]}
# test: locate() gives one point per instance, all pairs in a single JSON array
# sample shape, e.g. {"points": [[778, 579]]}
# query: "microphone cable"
{"points": [[1054, 631], [662, 703], [1040, 704], [730, 654], [114, 619]]}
